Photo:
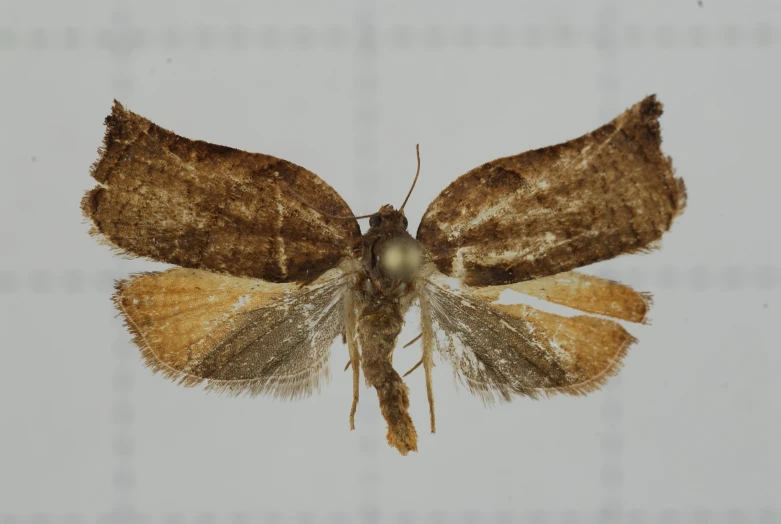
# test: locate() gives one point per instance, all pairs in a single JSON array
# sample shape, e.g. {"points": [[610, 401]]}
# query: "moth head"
{"points": [[399, 258], [388, 218]]}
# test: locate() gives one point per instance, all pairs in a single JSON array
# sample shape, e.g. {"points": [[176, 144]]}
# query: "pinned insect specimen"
{"points": [[273, 266]]}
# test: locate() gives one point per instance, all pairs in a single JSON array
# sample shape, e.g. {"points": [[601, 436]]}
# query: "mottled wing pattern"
{"points": [[205, 206], [237, 335], [554, 209], [498, 350]]}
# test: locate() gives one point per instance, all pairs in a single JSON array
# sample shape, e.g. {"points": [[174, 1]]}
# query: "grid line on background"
{"points": [[123, 413], [365, 85], [609, 87], [122, 38], [237, 38], [533, 516], [764, 277]]}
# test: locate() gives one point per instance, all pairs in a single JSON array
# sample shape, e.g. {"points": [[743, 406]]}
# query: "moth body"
{"points": [[391, 259]]}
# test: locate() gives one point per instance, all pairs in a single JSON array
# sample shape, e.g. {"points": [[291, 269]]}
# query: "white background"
{"points": [[688, 432]]}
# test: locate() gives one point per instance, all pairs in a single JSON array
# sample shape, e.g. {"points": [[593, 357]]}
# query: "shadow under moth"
{"points": [[273, 267]]}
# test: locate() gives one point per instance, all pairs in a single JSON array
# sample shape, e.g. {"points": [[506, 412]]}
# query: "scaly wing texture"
{"points": [[238, 335], [580, 291], [554, 209], [204, 206], [498, 351]]}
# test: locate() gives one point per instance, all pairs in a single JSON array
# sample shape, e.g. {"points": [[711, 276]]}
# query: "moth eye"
{"points": [[404, 221], [375, 221]]}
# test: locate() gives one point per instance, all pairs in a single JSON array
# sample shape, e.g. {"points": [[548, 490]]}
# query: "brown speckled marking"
{"points": [[205, 206], [554, 209]]}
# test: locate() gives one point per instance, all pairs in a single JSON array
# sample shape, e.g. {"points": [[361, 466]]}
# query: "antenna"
{"points": [[417, 152], [307, 204]]}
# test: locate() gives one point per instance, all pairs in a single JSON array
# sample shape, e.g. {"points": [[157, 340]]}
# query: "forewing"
{"points": [[204, 206], [498, 351], [554, 209], [237, 335]]}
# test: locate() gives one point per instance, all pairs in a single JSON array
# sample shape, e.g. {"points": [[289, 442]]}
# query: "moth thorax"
{"points": [[399, 258]]}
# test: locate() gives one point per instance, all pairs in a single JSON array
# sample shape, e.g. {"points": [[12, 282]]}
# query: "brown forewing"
{"points": [[499, 350], [554, 209], [205, 206], [237, 335]]}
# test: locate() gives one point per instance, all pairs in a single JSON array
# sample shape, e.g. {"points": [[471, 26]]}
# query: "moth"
{"points": [[273, 266]]}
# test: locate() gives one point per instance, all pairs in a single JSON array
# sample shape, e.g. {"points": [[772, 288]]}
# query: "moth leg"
{"points": [[408, 344], [355, 357], [427, 333], [354, 408], [427, 365], [416, 366]]}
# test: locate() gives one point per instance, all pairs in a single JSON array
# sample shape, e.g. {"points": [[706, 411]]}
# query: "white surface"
{"points": [[691, 425]]}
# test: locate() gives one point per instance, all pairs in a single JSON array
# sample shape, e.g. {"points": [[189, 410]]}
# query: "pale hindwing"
{"points": [[498, 351], [236, 335], [580, 291]]}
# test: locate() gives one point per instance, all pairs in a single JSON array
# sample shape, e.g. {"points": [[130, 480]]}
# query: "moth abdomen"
{"points": [[378, 325]]}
